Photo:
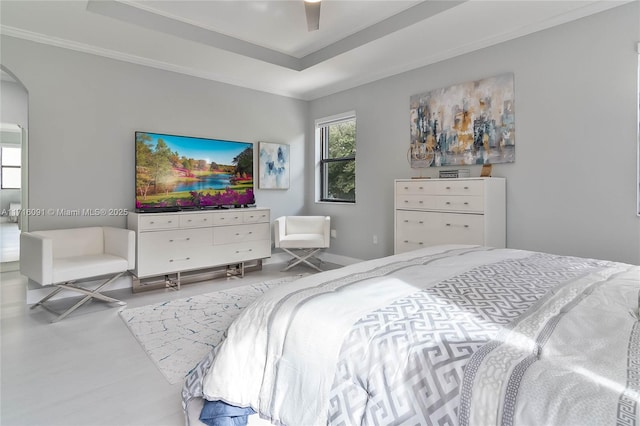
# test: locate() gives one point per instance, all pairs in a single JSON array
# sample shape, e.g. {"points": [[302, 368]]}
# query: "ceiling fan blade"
{"points": [[312, 10]]}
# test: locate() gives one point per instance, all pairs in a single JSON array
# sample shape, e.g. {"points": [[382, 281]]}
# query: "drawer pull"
{"points": [[180, 260], [448, 203], [466, 203], [410, 242], [421, 201], [240, 251], [421, 187], [466, 187], [151, 223], [448, 187], [186, 239]]}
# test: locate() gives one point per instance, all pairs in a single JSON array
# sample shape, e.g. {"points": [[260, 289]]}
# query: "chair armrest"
{"points": [[36, 258], [120, 242], [279, 228], [327, 230]]}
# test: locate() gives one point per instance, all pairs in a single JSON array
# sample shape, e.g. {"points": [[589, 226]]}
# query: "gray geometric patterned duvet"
{"points": [[440, 336]]}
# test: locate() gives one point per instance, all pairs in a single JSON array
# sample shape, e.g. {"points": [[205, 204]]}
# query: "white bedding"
{"points": [[448, 334]]}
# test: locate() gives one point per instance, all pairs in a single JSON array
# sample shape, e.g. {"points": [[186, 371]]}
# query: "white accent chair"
{"points": [[302, 237], [61, 257]]}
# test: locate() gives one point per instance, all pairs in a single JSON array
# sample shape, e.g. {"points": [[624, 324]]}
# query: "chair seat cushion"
{"points": [[302, 241], [80, 267]]}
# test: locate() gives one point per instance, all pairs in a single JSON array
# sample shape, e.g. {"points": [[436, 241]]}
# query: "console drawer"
{"points": [[192, 220], [240, 233], [228, 218], [259, 216], [152, 221]]}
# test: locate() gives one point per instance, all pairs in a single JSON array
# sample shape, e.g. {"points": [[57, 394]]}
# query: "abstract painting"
{"points": [[274, 165], [464, 124]]}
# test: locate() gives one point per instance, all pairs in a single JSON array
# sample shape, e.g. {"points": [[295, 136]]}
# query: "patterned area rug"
{"points": [[179, 333]]}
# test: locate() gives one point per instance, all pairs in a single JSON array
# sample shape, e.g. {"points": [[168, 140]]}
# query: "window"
{"points": [[336, 139], [10, 175]]}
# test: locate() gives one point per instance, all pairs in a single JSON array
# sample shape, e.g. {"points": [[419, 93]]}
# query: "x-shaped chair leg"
{"points": [[302, 258], [90, 294]]}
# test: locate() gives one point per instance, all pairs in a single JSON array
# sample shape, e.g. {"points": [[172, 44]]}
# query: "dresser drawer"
{"points": [[241, 233], [463, 203], [462, 228], [415, 229], [417, 187], [158, 221], [407, 201], [193, 220], [459, 187]]}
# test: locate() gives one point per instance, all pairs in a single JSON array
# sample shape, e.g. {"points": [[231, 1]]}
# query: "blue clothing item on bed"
{"points": [[218, 413]]}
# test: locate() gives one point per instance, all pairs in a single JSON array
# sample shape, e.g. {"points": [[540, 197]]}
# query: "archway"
{"points": [[13, 167]]}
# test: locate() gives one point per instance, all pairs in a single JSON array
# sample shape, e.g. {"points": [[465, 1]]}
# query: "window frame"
{"points": [[322, 156]]}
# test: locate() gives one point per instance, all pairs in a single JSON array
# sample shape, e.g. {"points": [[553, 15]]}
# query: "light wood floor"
{"points": [[88, 369]]}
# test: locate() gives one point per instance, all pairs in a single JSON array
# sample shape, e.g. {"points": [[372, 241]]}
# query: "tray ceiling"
{"points": [[265, 45]]}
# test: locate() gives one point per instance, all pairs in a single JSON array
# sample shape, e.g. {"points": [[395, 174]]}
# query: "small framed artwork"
{"points": [[273, 165]]}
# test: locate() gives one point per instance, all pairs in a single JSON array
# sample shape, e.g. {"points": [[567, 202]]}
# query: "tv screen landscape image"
{"points": [[183, 172]]}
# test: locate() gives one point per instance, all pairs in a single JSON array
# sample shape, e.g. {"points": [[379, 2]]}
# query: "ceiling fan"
{"points": [[312, 10]]}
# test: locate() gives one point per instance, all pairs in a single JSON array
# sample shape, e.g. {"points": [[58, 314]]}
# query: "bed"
{"points": [[443, 335]]}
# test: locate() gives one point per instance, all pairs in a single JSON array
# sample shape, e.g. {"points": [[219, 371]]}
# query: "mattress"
{"points": [[460, 335]]}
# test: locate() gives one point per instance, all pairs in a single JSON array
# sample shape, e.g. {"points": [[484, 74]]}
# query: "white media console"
{"points": [[172, 245]]}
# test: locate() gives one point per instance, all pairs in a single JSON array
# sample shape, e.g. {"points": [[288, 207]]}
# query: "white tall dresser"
{"points": [[449, 211]]}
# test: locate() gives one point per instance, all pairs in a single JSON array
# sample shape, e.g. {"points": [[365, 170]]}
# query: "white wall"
{"points": [[84, 110], [572, 189]]}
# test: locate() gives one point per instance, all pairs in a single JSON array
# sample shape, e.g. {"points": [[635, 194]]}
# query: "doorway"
{"points": [[13, 171]]}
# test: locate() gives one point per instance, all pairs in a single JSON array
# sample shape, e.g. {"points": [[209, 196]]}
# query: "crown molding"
{"points": [[135, 59]]}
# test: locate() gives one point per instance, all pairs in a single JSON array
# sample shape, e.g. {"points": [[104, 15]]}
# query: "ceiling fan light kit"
{"points": [[312, 10]]}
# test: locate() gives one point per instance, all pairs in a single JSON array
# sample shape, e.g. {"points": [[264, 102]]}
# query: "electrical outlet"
{"points": [[334, 233], [375, 239]]}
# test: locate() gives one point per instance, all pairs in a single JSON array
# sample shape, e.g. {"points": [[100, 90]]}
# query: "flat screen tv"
{"points": [[182, 172]]}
